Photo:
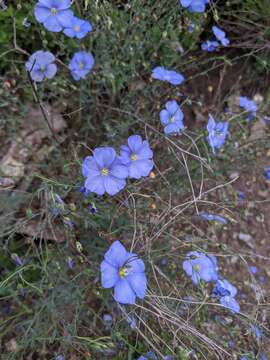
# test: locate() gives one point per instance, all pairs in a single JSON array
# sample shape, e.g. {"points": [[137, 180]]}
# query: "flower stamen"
{"points": [[104, 172], [54, 11], [123, 272]]}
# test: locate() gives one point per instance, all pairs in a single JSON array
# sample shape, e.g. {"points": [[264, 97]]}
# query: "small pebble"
{"points": [[234, 175], [263, 194], [246, 238]]}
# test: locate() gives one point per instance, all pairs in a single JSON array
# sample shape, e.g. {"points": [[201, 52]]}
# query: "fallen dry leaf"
{"points": [[39, 230], [258, 130], [6, 182], [12, 346]]}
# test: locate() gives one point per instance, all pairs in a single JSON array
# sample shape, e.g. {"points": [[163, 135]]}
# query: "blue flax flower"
{"points": [[125, 272], [149, 356], [209, 45], [249, 105], [41, 65], [256, 331], [230, 303], [78, 28], [267, 173], [18, 261], [84, 191], [137, 156], [226, 293], [58, 205], [54, 14], [191, 27], [194, 5], [220, 35], [241, 196], [59, 357], [108, 320], [217, 133], [68, 222], [211, 217], [92, 208], [224, 288], [70, 263], [132, 322], [172, 117], [171, 76], [26, 23], [103, 172], [81, 64], [200, 266], [253, 269]]}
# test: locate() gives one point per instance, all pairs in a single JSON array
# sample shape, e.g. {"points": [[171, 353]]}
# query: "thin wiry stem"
{"points": [[42, 109]]}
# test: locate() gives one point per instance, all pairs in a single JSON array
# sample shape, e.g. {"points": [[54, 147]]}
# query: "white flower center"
{"points": [[54, 11], [172, 119], [218, 133]]}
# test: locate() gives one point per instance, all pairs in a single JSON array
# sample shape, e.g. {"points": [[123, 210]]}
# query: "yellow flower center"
{"points": [[196, 268], [81, 65], [133, 157], [123, 272], [42, 68], [77, 28], [53, 11], [104, 172], [172, 119]]}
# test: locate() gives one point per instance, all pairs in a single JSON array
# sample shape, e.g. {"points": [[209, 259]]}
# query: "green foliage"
{"points": [[250, 23], [154, 33]]}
